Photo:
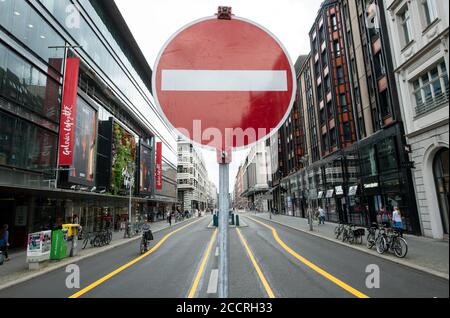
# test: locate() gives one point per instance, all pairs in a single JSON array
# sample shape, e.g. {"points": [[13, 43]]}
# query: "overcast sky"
{"points": [[153, 22]]}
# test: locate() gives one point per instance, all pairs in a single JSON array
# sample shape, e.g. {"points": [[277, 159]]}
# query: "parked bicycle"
{"points": [[339, 230], [347, 233], [372, 235], [97, 239], [391, 240]]}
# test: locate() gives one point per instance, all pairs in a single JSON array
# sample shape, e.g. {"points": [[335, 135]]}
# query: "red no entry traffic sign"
{"points": [[224, 83]]}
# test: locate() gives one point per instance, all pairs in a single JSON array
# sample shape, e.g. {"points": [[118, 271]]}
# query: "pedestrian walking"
{"points": [[321, 216], [383, 216], [4, 241], [397, 222], [169, 218]]}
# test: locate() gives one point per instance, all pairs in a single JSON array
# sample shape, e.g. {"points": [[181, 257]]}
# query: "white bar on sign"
{"points": [[237, 81]]}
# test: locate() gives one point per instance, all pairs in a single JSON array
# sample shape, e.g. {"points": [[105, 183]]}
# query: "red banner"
{"points": [[68, 112], [158, 172]]}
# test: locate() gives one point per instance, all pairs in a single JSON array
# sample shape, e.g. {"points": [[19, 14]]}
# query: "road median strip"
{"points": [[365, 250]]}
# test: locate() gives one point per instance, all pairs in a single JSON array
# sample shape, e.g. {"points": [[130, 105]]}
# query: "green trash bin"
{"points": [[215, 220], [58, 250]]}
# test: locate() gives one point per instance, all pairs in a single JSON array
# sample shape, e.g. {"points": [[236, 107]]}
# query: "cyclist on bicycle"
{"points": [[146, 230]]}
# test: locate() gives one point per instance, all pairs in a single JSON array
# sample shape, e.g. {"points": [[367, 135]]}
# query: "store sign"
{"points": [[330, 194], [39, 244], [320, 195], [68, 112], [158, 172], [352, 190], [371, 185], [339, 190]]}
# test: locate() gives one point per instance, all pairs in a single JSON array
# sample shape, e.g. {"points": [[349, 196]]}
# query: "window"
{"points": [[340, 75], [431, 89], [405, 23], [368, 161], [344, 104], [347, 131], [333, 138], [324, 143], [385, 103], [330, 110], [429, 10], [25, 145], [327, 84], [337, 48], [387, 154], [28, 87], [333, 23], [324, 58]]}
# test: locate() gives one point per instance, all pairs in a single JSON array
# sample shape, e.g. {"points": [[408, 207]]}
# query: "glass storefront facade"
{"points": [[114, 86], [354, 185]]}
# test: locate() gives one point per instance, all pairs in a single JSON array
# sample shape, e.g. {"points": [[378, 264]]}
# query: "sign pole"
{"points": [[224, 169]]}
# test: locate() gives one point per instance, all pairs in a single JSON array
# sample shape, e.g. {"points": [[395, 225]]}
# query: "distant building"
{"points": [[192, 178], [256, 178]]}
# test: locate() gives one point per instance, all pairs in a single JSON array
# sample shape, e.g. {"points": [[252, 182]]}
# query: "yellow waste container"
{"points": [[72, 229]]}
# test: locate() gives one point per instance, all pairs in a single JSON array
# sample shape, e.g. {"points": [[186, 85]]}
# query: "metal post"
{"points": [[223, 229]]}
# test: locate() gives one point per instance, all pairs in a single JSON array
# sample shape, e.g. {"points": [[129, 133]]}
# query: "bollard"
{"points": [[216, 220], [232, 219], [237, 220]]}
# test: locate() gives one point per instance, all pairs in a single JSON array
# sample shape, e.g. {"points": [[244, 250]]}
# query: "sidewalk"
{"points": [[425, 254], [16, 270]]}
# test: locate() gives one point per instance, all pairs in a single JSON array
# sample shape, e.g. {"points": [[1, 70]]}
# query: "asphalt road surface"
{"points": [[266, 260]]}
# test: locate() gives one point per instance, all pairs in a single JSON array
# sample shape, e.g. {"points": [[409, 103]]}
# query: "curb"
{"points": [[73, 260], [367, 251]]}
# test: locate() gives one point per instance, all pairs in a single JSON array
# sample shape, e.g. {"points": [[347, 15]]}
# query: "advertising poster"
{"points": [[38, 247], [84, 150], [123, 158], [145, 170]]}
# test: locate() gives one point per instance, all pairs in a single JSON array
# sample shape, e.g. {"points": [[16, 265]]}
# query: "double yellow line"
{"points": [[314, 267], [129, 264], [256, 266]]}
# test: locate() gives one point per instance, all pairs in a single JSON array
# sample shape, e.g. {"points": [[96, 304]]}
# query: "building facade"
{"points": [[256, 178], [192, 178], [419, 33], [116, 127], [239, 202], [343, 147]]}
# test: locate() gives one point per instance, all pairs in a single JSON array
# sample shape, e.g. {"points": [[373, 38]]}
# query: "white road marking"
{"points": [[213, 282], [225, 80]]}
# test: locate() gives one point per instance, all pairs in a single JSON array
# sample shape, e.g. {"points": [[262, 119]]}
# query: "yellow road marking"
{"points": [[122, 268], [314, 267], [201, 269], [256, 266]]}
